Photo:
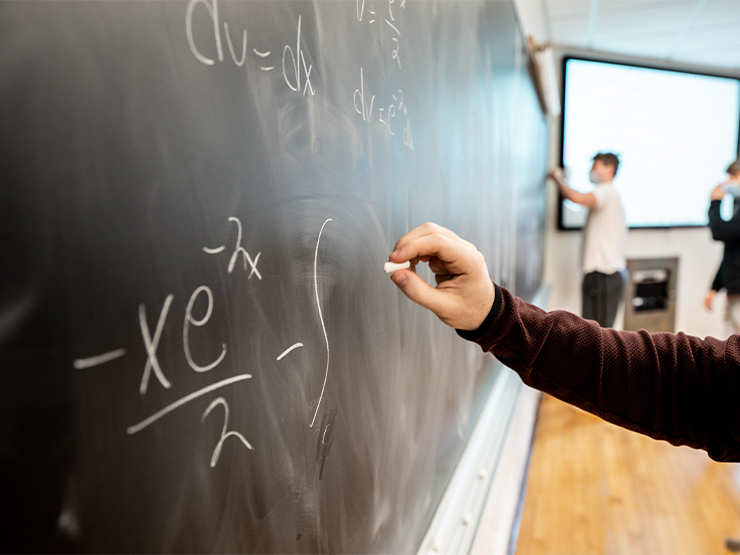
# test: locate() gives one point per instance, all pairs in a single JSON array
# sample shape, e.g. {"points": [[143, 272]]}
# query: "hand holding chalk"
{"points": [[464, 293]]}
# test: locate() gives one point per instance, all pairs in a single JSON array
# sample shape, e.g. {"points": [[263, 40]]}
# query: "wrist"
{"points": [[472, 335]]}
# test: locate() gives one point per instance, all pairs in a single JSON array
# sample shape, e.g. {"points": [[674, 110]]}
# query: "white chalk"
{"points": [[391, 267]]}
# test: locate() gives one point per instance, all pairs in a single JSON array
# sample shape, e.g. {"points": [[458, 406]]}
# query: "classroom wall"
{"points": [[699, 256]]}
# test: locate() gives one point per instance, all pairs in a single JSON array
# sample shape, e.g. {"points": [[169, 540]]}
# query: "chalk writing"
{"points": [[224, 434], [298, 66], [212, 8], [243, 59], [151, 344], [261, 54], [321, 317], [238, 250], [326, 438], [391, 115], [297, 74], [90, 362], [152, 341], [361, 11], [136, 428], [395, 54], [390, 21], [408, 139], [385, 115], [190, 320], [291, 348], [365, 110]]}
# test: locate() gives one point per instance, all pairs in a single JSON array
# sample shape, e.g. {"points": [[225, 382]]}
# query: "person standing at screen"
{"points": [[727, 231], [603, 240]]}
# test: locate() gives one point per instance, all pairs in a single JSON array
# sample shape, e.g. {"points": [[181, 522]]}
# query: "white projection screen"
{"points": [[675, 134]]}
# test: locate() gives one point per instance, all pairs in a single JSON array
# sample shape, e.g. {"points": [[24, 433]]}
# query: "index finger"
{"points": [[452, 252], [423, 230]]}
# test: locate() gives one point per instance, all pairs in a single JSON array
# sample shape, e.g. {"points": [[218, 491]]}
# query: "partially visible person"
{"points": [[603, 240], [727, 231], [678, 388]]}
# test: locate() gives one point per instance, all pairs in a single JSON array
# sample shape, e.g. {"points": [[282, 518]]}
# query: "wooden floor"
{"points": [[595, 488]]}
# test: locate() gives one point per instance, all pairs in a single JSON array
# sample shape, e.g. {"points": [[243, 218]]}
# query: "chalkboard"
{"points": [[199, 351]]}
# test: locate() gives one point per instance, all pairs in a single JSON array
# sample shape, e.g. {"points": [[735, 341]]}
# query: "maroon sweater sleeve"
{"points": [[677, 388]]}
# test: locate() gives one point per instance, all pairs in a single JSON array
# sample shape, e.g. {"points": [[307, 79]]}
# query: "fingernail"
{"points": [[394, 253], [399, 278]]}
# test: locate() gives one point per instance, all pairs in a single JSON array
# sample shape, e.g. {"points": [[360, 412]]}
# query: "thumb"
{"points": [[419, 291]]}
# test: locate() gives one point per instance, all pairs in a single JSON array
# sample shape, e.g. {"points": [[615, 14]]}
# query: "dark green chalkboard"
{"points": [[199, 351]]}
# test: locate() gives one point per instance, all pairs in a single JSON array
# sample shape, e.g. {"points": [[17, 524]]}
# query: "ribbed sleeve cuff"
{"points": [[473, 335]]}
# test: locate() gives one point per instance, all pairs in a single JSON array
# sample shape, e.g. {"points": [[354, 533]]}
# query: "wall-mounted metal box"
{"points": [[650, 295]]}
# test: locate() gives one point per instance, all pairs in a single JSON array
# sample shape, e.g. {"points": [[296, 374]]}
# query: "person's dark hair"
{"points": [[734, 168], [608, 159]]}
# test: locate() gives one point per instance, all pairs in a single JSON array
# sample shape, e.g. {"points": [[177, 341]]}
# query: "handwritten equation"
{"points": [[366, 10], [151, 341], [296, 72], [364, 101], [386, 111], [385, 115]]}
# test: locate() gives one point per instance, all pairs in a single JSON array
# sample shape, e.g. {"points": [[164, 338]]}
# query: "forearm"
{"points": [[670, 387], [572, 195]]}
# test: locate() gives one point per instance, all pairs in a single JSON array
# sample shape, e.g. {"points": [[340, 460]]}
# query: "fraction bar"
{"points": [[169, 408]]}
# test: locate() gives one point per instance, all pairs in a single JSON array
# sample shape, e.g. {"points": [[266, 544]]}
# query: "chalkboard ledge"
{"points": [[480, 508]]}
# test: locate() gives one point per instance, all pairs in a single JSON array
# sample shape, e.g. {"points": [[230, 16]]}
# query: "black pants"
{"points": [[601, 296]]}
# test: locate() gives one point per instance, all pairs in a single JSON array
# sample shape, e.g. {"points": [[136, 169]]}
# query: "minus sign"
{"points": [[296, 346], [263, 68], [81, 363]]}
